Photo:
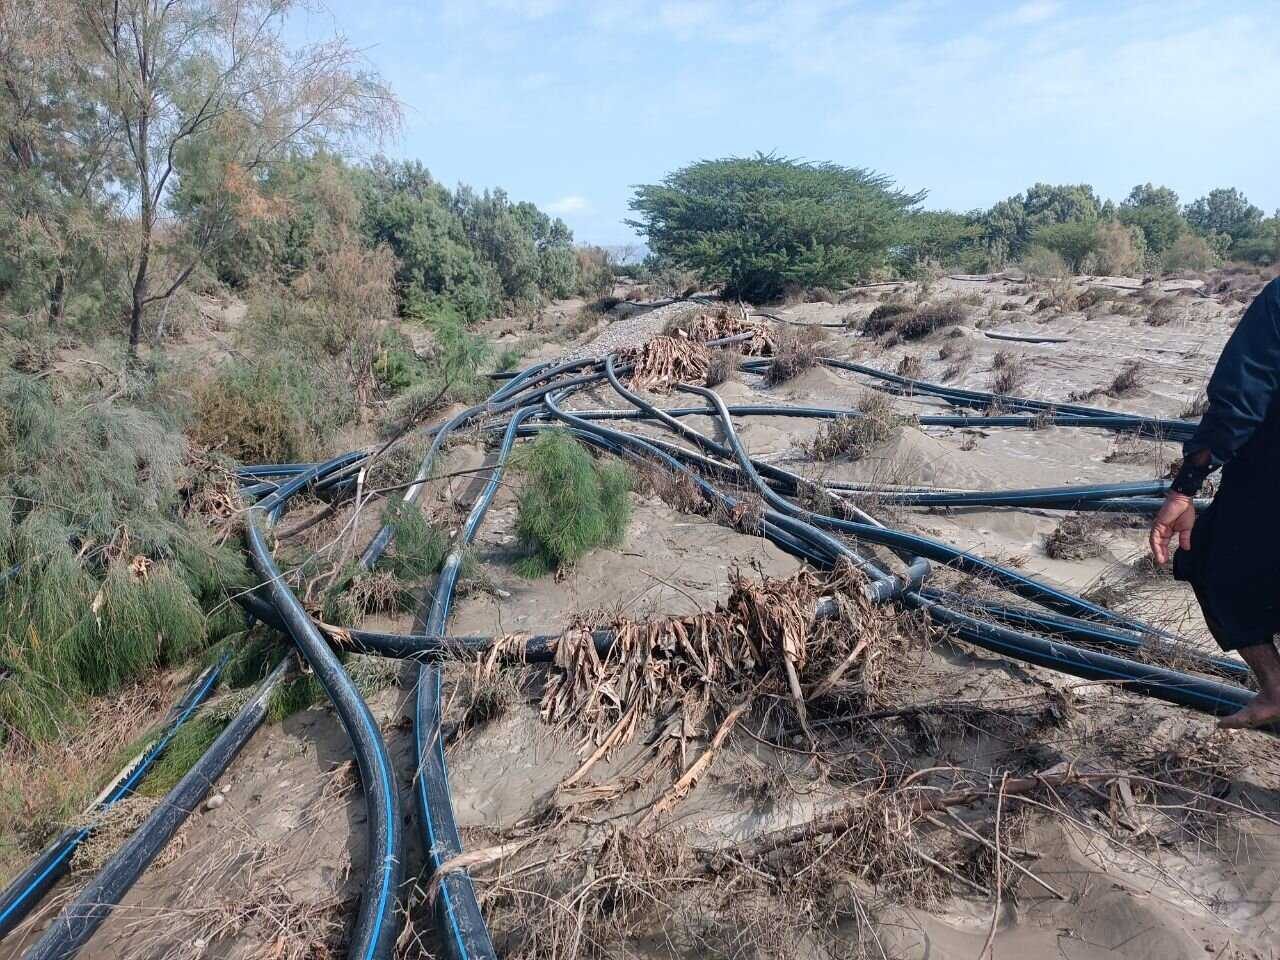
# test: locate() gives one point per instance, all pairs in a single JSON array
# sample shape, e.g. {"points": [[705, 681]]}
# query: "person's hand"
{"points": [[1176, 517]]}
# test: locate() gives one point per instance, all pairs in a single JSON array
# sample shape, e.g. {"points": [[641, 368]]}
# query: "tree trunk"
{"points": [[139, 295], [57, 300]]}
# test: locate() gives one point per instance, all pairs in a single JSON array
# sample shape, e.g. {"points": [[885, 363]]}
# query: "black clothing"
{"points": [[1234, 560]]}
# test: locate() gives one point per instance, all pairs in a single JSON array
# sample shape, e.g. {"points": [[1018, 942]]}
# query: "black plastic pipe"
{"points": [[457, 907], [25, 891], [79, 919], [376, 926]]}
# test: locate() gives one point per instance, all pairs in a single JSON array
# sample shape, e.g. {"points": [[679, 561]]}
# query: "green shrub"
{"points": [[569, 503], [112, 580], [763, 224], [1045, 264], [1154, 211], [418, 547], [508, 360], [1009, 226], [1074, 241], [395, 365], [274, 408], [1190, 252]]}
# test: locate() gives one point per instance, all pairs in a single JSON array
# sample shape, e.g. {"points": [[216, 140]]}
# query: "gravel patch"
{"points": [[630, 331]]}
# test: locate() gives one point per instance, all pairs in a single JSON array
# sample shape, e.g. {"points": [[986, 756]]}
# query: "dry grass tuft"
{"points": [[1163, 312], [1196, 408], [884, 318], [907, 323], [1076, 538], [1008, 372], [794, 353], [911, 367], [723, 366], [855, 436], [111, 828], [1129, 379]]}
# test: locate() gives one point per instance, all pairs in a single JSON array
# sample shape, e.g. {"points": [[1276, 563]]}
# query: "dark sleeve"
{"points": [[1245, 382]]}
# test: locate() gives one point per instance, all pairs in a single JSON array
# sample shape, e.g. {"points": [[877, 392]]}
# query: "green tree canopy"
{"points": [[761, 224], [1226, 211], [1154, 210], [1073, 240], [1011, 224]]}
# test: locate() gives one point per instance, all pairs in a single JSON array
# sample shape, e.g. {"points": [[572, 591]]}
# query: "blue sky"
{"points": [[571, 103]]}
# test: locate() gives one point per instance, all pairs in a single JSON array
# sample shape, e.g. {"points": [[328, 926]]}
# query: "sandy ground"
{"points": [[271, 871]]}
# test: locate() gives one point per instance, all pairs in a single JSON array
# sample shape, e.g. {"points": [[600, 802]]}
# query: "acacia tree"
{"points": [[761, 224], [214, 82]]}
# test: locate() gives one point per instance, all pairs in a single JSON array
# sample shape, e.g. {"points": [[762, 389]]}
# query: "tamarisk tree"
{"points": [[205, 94]]}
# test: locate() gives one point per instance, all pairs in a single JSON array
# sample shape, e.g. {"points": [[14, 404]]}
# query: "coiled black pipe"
{"points": [[78, 920], [376, 926], [26, 890], [1200, 693], [457, 907]]}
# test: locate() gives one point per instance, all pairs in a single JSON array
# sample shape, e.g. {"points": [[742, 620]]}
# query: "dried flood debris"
{"points": [[662, 362], [721, 323], [854, 437], [1076, 538], [794, 352]]}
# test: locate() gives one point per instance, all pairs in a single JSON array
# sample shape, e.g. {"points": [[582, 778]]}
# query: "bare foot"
{"points": [[1260, 712]]}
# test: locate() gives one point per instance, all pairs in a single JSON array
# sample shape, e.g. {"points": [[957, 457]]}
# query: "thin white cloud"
{"points": [[573, 203], [1036, 11]]}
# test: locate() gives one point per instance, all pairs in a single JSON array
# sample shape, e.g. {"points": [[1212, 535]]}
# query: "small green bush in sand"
{"points": [[569, 503]]}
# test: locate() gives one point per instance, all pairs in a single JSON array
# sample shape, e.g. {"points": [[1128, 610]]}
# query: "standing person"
{"points": [[1231, 554]]}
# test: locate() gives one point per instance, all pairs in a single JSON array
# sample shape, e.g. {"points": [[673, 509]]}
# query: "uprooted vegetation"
{"points": [[795, 351], [902, 322], [661, 362], [855, 436], [569, 503], [704, 324], [689, 702]]}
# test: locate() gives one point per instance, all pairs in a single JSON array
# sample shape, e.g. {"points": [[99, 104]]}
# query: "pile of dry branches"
{"points": [[663, 361], [212, 495], [722, 323], [680, 679]]}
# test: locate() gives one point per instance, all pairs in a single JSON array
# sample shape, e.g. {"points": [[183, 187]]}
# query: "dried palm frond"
{"points": [[663, 361]]}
